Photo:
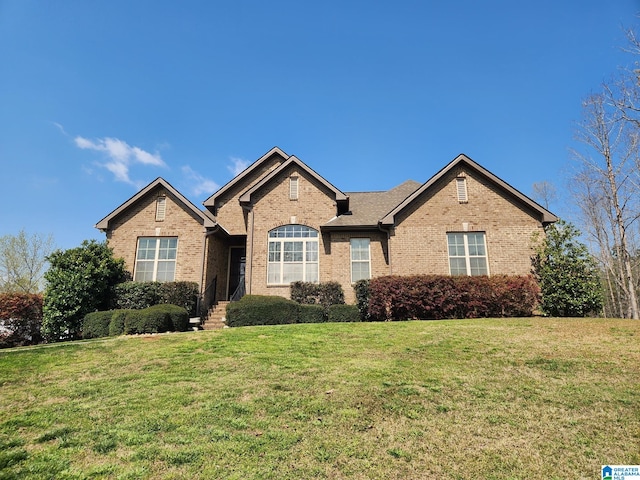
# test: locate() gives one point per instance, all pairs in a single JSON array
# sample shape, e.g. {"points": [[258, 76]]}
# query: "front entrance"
{"points": [[237, 262]]}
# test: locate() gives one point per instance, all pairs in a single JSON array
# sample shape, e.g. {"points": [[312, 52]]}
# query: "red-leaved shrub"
{"points": [[440, 296], [20, 319]]}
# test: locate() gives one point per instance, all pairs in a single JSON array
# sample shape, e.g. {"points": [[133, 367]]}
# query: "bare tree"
{"points": [[606, 187], [544, 193], [22, 261]]}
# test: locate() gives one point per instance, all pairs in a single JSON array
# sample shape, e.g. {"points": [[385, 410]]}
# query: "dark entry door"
{"points": [[236, 268]]}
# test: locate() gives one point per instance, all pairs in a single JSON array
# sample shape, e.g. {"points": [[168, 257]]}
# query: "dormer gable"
{"points": [[246, 179], [341, 199]]}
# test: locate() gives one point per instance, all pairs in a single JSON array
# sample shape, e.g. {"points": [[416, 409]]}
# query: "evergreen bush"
{"points": [[343, 313], [261, 310], [96, 324], [311, 314]]}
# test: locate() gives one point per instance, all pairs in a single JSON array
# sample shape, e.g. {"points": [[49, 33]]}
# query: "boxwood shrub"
{"points": [[343, 313], [96, 324], [118, 319], [261, 310], [156, 319], [311, 314]]}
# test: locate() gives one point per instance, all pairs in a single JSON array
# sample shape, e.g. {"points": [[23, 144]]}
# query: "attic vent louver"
{"points": [[161, 208], [293, 188], [461, 187]]}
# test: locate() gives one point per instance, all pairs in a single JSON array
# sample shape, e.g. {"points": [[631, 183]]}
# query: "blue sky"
{"points": [[98, 98]]}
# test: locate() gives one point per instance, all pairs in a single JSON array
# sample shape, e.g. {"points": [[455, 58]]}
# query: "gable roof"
{"points": [[205, 217], [367, 208], [292, 160], [210, 202], [462, 160]]}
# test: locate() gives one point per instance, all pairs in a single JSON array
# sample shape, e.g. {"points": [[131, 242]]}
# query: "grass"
{"points": [[490, 399]]}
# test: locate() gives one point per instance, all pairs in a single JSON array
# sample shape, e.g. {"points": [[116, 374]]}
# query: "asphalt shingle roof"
{"points": [[368, 208]]}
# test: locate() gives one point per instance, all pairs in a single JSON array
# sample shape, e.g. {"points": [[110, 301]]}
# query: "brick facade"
{"points": [[411, 239], [419, 240], [140, 221]]}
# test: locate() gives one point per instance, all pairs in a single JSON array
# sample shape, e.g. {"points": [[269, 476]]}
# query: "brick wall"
{"points": [[272, 208], [140, 221], [229, 212], [419, 242], [341, 258]]}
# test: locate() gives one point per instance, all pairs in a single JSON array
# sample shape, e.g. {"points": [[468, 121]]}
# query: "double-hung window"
{"points": [[156, 259], [467, 253], [360, 259], [292, 255]]}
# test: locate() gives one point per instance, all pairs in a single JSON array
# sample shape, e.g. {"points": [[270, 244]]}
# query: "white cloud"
{"points": [[199, 185], [120, 156], [237, 166]]}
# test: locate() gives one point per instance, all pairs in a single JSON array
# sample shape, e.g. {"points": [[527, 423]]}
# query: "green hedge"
{"points": [[343, 313], [361, 288], [268, 310], [325, 293], [261, 310], [116, 327], [96, 324], [155, 319], [311, 314], [140, 295]]}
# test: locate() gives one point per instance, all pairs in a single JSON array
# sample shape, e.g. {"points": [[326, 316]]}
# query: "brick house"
{"points": [[279, 221]]}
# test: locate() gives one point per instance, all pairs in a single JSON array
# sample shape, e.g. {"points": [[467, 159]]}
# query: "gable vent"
{"points": [[293, 188], [161, 208], [461, 187]]}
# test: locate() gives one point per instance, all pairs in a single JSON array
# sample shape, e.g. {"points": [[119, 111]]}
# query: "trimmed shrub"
{"points": [[118, 319], [149, 320], [438, 296], [330, 293], [20, 318], [304, 293], [96, 324], [361, 288], [178, 317], [136, 295], [311, 314], [325, 294], [182, 294], [343, 313], [261, 310], [140, 295]]}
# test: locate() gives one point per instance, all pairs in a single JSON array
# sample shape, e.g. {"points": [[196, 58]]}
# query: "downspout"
{"points": [[248, 276], [202, 265], [388, 232]]}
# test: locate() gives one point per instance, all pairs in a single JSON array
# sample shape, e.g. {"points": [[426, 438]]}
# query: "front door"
{"points": [[237, 263]]}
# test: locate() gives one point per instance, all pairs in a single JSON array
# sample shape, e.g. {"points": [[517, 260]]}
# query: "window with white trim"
{"points": [[161, 208], [156, 259], [467, 253], [292, 255], [360, 259]]}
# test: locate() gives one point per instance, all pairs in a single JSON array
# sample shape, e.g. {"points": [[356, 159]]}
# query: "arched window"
{"points": [[293, 255]]}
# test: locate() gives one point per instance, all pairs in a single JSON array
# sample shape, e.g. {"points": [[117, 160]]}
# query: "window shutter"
{"points": [[461, 185], [161, 208]]}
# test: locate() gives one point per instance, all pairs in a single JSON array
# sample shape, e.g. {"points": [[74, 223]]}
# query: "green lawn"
{"points": [[472, 399]]}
